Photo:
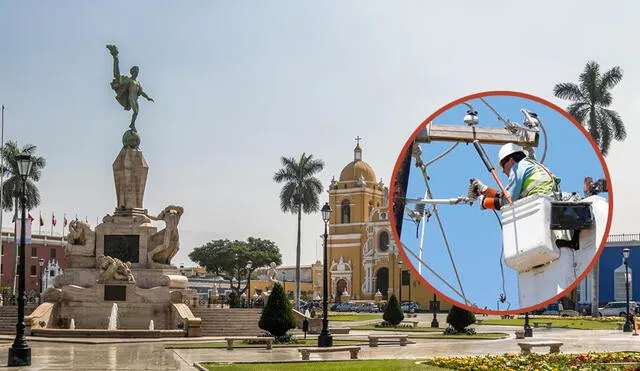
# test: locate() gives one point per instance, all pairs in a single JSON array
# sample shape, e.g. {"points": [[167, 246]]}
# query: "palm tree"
{"points": [[299, 194], [590, 101], [12, 186]]}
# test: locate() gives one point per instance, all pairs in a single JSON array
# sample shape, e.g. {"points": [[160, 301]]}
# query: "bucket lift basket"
{"points": [[571, 215]]}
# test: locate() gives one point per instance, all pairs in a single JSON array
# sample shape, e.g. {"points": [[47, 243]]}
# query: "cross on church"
{"points": [[358, 140]]}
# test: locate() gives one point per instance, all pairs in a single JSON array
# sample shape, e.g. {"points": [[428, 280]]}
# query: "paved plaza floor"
{"points": [[145, 354]]}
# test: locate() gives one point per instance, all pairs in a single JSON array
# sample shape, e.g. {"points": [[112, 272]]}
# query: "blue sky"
{"points": [[239, 84], [474, 235]]}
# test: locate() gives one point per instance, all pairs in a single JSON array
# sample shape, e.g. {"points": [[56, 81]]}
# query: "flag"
{"points": [[65, 221], [41, 220], [30, 217], [53, 219]]}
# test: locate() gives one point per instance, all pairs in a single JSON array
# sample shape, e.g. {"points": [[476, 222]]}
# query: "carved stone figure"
{"points": [[81, 245], [272, 272], [164, 245], [113, 269], [127, 88]]}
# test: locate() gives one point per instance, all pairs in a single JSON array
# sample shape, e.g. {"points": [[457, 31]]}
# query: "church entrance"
{"points": [[382, 282], [341, 286]]}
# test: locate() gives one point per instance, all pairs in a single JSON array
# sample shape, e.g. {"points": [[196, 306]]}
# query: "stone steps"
{"points": [[9, 318], [228, 322]]}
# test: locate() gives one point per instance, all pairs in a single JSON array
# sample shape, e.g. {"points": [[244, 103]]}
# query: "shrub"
{"points": [[277, 315], [460, 318], [234, 300], [393, 313]]}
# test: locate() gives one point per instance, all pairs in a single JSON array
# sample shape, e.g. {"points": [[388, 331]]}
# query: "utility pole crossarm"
{"points": [[485, 135]]}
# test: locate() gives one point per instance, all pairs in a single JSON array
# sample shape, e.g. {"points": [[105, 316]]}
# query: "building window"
{"points": [[383, 241], [33, 270], [345, 212], [53, 253], [34, 252], [52, 274]]}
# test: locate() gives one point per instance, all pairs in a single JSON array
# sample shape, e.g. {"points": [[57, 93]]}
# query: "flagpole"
{"points": [[1, 179]]}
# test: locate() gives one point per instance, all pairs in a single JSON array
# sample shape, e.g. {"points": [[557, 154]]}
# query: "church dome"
{"points": [[357, 168]]}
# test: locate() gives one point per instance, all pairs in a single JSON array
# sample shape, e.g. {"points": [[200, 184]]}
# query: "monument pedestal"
{"points": [[125, 261]]}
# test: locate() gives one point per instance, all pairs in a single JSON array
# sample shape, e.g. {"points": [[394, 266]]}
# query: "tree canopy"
{"points": [[591, 99], [236, 260], [12, 185]]}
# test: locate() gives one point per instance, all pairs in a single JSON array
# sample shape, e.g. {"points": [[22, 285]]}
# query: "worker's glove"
{"points": [[481, 201], [476, 188]]}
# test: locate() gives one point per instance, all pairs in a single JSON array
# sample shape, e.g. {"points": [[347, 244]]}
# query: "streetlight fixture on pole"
{"points": [[20, 353], [625, 253], [325, 339], [528, 331]]}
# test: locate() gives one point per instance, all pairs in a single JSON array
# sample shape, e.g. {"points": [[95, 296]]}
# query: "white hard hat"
{"points": [[508, 149]]}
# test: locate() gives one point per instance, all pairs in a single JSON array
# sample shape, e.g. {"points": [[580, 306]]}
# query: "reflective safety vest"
{"points": [[539, 181]]}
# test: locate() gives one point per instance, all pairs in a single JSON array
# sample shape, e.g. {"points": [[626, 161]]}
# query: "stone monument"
{"points": [[125, 259]]}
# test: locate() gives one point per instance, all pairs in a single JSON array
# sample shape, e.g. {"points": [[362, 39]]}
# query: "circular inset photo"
{"points": [[502, 202]]}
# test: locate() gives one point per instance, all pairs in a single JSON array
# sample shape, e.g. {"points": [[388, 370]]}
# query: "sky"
{"points": [[474, 235], [239, 84]]}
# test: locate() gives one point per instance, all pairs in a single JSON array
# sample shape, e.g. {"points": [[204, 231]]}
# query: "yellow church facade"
{"points": [[364, 261]]}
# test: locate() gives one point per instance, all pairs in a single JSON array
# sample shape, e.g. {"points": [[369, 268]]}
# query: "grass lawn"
{"points": [[480, 336], [365, 365], [311, 341], [576, 323], [354, 317], [401, 329]]}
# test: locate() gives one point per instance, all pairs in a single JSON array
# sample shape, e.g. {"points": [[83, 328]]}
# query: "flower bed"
{"points": [[542, 362]]}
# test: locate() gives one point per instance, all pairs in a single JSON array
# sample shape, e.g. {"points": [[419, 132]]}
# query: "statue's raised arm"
{"points": [[127, 88]]}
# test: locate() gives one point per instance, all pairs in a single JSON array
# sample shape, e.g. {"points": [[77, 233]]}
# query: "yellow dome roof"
{"points": [[354, 169]]}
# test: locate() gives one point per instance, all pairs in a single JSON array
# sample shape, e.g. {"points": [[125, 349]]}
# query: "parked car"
{"points": [[410, 307], [345, 307], [368, 308], [617, 308]]}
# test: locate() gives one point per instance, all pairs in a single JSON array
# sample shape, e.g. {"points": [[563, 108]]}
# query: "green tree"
{"points": [[590, 101], [460, 318], [236, 260], [299, 194], [277, 316], [393, 312], [12, 185]]}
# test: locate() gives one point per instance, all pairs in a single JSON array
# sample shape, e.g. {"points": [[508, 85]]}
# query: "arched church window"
{"points": [[345, 212], [383, 241]]}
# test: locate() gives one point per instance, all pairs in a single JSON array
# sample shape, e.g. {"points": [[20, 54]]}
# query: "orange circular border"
{"points": [[410, 141]]}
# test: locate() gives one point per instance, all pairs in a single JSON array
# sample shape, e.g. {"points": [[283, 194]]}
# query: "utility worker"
{"points": [[526, 177]]}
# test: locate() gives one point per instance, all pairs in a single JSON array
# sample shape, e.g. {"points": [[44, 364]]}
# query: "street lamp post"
{"points": [[41, 264], [20, 353], [325, 339], [249, 263], [434, 322], [528, 331], [625, 253]]}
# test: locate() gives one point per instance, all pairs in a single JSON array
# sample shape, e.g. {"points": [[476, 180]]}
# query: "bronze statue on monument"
{"points": [[127, 88]]}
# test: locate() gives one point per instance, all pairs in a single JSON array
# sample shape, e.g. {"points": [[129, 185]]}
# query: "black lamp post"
{"points": [[325, 339], [528, 331], [627, 324], [41, 264], [20, 353], [434, 304]]}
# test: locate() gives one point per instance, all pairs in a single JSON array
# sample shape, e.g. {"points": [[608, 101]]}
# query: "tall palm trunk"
{"points": [[298, 258], [595, 287]]}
